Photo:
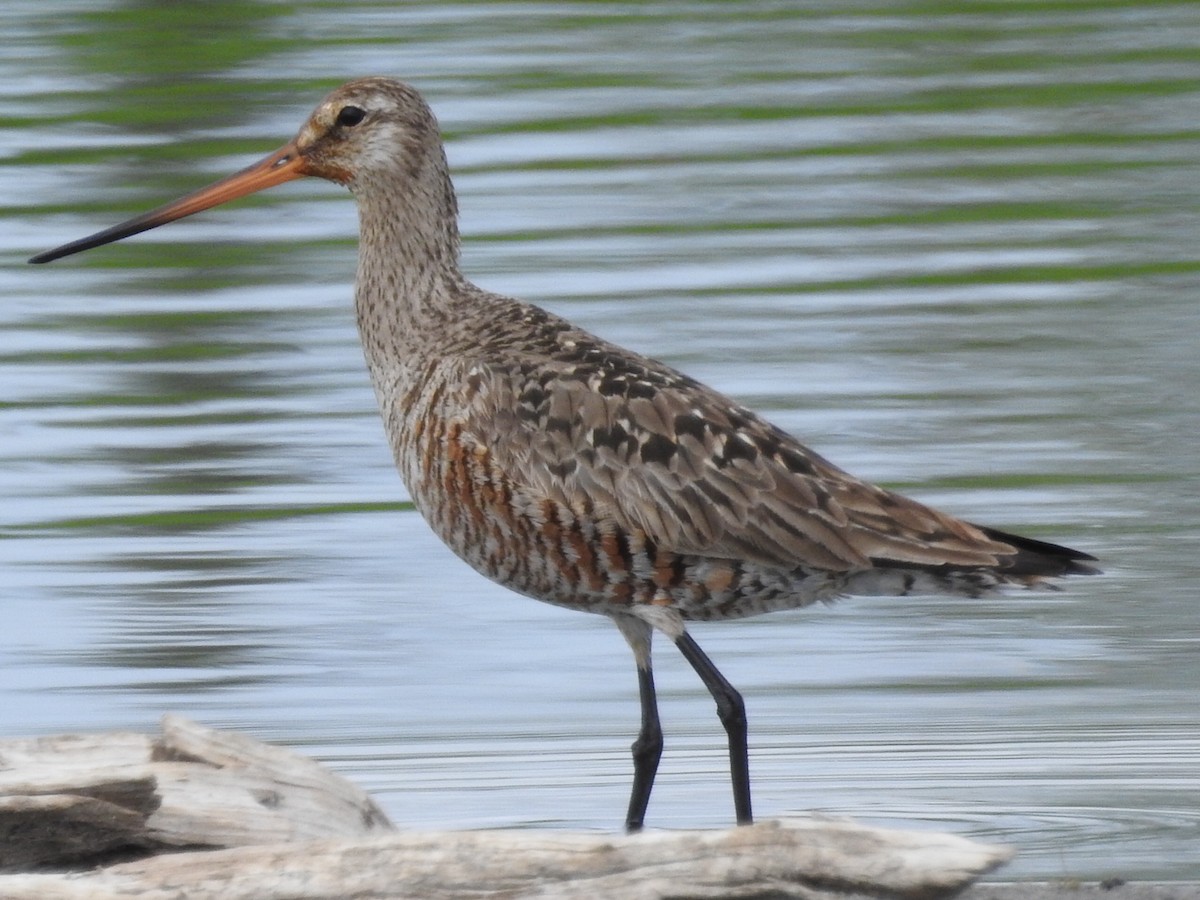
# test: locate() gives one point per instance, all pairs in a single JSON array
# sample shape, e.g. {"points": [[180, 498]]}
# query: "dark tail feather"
{"points": [[1040, 557]]}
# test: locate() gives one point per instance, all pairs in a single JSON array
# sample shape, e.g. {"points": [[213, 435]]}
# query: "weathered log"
{"points": [[214, 789], [810, 860], [89, 799]]}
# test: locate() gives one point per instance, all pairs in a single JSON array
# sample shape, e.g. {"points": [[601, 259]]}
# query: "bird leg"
{"points": [[647, 750], [732, 712]]}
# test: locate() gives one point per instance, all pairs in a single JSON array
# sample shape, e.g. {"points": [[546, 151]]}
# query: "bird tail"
{"points": [[1040, 559]]}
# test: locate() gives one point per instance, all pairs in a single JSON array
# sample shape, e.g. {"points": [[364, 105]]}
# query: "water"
{"points": [[952, 247]]}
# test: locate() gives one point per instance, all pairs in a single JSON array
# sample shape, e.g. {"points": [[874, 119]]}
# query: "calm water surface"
{"points": [[956, 251]]}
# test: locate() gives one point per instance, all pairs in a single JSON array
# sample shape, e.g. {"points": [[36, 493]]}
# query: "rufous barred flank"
{"points": [[579, 473]]}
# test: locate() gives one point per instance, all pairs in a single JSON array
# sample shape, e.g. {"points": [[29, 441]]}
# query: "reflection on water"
{"points": [[953, 249]]}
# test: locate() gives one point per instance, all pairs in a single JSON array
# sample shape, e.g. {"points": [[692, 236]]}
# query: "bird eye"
{"points": [[351, 115]]}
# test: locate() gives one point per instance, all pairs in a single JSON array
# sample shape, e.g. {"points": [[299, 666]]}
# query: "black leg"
{"points": [[732, 712], [647, 750]]}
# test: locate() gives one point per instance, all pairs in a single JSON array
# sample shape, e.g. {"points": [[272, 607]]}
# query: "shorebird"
{"points": [[577, 472]]}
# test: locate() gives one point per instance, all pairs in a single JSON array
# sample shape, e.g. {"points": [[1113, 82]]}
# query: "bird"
{"points": [[579, 473]]}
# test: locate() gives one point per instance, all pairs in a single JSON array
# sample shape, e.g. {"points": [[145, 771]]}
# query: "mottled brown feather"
{"points": [[686, 465]]}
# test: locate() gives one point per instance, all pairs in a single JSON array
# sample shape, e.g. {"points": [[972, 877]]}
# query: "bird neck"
{"points": [[408, 271]]}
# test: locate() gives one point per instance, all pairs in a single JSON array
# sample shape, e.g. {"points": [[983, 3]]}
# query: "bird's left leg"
{"points": [[647, 748]]}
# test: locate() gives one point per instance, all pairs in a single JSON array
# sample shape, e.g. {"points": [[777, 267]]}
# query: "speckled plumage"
{"points": [[582, 474], [588, 476]]}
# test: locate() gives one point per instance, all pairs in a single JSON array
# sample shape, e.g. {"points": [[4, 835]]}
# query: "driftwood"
{"points": [[152, 813], [87, 799]]}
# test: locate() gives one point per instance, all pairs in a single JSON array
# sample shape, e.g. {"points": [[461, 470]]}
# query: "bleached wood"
{"points": [[193, 787], [297, 832], [251, 792], [800, 860]]}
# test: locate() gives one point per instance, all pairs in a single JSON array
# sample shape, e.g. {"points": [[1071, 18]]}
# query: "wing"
{"points": [[694, 471]]}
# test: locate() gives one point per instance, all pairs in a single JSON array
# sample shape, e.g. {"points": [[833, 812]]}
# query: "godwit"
{"points": [[582, 474]]}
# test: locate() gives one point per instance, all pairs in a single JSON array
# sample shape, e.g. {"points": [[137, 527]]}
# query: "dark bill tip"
{"points": [[107, 236]]}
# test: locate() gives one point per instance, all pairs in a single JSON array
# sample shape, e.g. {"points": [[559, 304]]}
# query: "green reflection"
{"points": [[200, 519], [165, 50]]}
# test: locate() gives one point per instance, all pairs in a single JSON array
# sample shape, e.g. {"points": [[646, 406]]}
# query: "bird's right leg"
{"points": [[732, 712], [647, 749]]}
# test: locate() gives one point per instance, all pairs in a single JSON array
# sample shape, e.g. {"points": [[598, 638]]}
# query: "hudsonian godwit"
{"points": [[579, 473]]}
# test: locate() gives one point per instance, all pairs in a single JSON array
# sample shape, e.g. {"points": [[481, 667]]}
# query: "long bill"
{"points": [[285, 164]]}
